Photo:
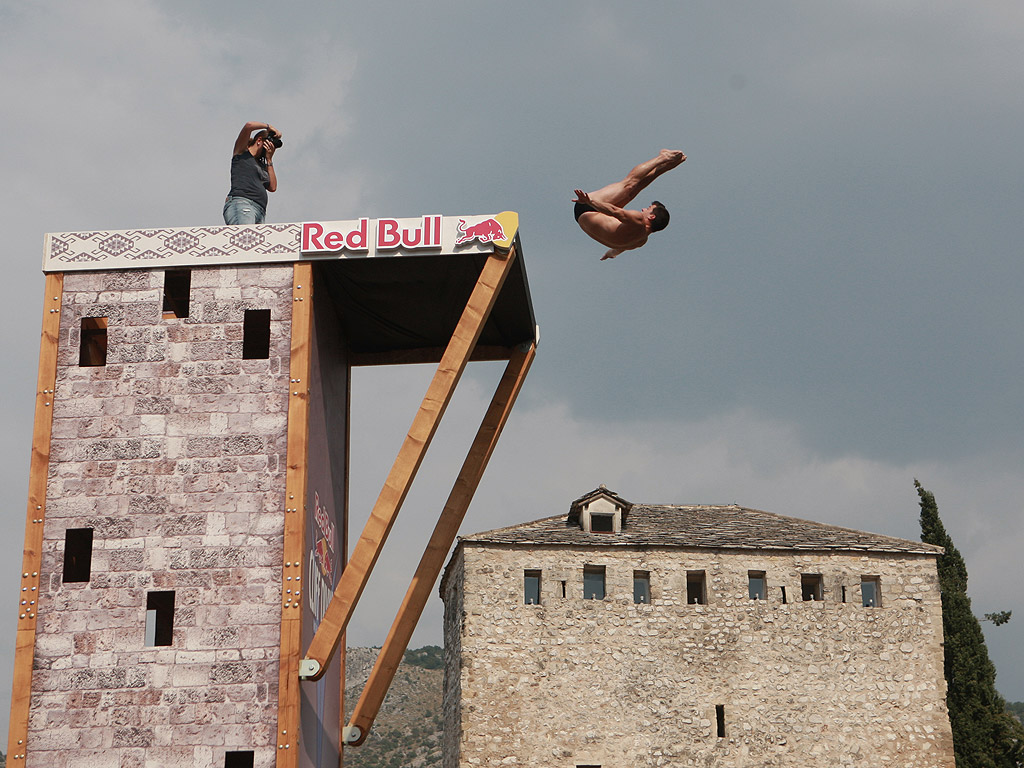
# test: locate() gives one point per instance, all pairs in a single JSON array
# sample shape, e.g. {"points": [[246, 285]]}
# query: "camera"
{"points": [[275, 140]]}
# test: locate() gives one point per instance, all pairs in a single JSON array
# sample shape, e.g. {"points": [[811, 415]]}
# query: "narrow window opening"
{"points": [[720, 717], [77, 554], [239, 759], [870, 593], [593, 582], [602, 523], [563, 589], [531, 587], [177, 287], [696, 588], [810, 586], [784, 601], [641, 586], [159, 618], [757, 589], [256, 334], [844, 593], [92, 350]]}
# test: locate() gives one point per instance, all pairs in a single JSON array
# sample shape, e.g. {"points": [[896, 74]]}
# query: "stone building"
{"points": [[186, 525], [631, 635]]}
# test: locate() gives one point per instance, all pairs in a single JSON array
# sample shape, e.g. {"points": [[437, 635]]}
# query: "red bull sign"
{"points": [[428, 235], [392, 237]]}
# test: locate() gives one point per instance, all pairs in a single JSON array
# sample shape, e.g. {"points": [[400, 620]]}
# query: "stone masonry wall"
{"points": [[174, 453], [609, 682]]}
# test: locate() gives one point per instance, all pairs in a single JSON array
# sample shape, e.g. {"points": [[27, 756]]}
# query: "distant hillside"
{"points": [[407, 732]]}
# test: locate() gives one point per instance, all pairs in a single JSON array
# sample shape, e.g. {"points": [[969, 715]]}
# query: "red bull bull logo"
{"points": [[324, 560], [486, 231]]}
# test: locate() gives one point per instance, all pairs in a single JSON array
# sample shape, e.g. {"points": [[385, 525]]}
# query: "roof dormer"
{"points": [[600, 511]]}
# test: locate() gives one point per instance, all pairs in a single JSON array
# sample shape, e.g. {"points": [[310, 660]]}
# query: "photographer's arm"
{"points": [[242, 142], [269, 148]]}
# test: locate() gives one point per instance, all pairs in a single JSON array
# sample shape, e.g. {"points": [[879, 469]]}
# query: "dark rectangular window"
{"points": [[531, 587], [870, 593], [177, 286], [563, 589], [602, 523], [757, 587], [593, 582], [696, 591], [641, 586], [844, 593], [256, 334], [720, 717], [784, 600], [810, 586], [239, 759], [159, 618], [92, 350], [77, 554]]}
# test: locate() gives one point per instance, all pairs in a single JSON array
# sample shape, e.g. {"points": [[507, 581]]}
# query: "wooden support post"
{"points": [[410, 456], [28, 595], [447, 527], [288, 698]]}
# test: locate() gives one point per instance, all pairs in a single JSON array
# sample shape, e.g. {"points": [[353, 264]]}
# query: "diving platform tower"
{"points": [[188, 573]]}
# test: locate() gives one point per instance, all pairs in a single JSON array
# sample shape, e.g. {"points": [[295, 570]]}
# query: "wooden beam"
{"points": [[28, 597], [288, 698], [447, 527], [410, 456]]}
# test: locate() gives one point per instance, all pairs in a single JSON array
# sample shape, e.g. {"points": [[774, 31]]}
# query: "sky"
{"points": [[833, 311]]}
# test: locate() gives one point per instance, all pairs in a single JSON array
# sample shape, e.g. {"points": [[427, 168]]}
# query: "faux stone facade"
{"points": [[733, 682], [174, 454]]}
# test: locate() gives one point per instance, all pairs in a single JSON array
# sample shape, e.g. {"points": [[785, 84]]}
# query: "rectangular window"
{"points": [[256, 334], [177, 286], [870, 593], [159, 618], [531, 587], [757, 586], [641, 586], [696, 593], [593, 582], [563, 589], [77, 554], [92, 350], [810, 586], [602, 523], [720, 717], [239, 759]]}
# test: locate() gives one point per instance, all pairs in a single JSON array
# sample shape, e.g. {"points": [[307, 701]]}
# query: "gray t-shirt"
{"points": [[249, 179]]}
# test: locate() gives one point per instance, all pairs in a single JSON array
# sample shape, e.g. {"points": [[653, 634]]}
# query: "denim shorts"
{"points": [[242, 210]]}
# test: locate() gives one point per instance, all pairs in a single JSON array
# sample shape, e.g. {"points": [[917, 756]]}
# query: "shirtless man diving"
{"points": [[600, 214]]}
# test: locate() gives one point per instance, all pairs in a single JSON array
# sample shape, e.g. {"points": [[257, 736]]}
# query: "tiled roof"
{"points": [[728, 527]]}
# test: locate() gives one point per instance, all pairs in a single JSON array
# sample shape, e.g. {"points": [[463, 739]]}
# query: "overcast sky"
{"points": [[833, 311]]}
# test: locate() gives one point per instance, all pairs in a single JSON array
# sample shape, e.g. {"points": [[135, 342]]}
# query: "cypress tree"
{"points": [[984, 734]]}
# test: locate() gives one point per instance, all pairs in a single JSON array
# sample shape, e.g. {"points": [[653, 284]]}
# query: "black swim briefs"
{"points": [[582, 208]]}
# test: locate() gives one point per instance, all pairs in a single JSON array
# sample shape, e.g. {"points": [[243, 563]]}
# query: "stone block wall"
{"points": [[174, 454], [573, 682]]}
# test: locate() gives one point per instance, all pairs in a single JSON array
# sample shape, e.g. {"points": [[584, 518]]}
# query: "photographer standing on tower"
{"points": [[252, 174]]}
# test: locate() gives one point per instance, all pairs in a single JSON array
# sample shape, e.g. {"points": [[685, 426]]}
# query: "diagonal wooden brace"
{"points": [[410, 456], [447, 527]]}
